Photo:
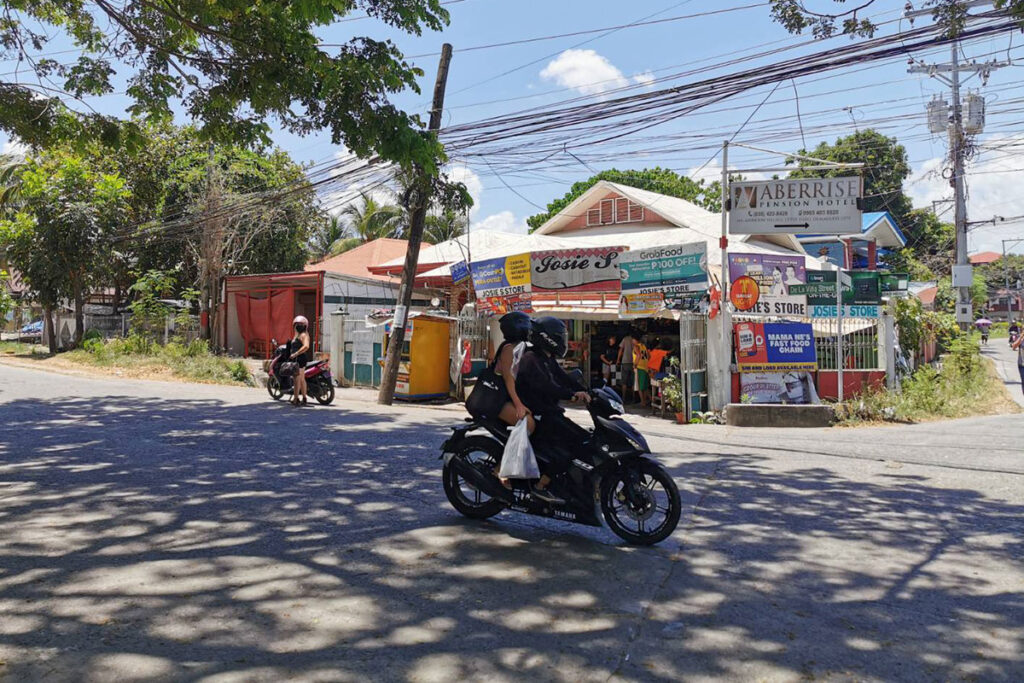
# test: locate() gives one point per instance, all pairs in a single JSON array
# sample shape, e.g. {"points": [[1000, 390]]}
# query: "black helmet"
{"points": [[549, 334], [515, 326]]}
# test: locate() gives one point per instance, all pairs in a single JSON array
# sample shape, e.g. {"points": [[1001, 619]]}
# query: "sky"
{"points": [[505, 79]]}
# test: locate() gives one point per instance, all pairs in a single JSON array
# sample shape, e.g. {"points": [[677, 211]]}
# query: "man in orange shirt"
{"points": [[656, 360]]}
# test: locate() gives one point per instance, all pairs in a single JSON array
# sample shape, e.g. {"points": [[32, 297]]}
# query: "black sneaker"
{"points": [[545, 496]]}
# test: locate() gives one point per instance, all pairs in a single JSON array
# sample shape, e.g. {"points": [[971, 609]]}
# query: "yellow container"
{"points": [[423, 370]]}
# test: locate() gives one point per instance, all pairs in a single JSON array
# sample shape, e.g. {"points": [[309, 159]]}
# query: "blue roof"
{"points": [[868, 221]]}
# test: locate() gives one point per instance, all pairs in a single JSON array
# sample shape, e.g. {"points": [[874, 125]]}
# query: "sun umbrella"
{"points": [[982, 321]]}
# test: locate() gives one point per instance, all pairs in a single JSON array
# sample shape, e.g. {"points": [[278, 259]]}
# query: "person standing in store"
{"points": [[609, 357], [641, 354], [625, 363], [1018, 346]]}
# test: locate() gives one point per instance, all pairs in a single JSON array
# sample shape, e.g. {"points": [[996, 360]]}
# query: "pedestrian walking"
{"points": [[1018, 346]]}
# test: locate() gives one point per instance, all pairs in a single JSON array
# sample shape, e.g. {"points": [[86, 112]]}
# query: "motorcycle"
{"points": [[319, 382], [1013, 336], [614, 480]]}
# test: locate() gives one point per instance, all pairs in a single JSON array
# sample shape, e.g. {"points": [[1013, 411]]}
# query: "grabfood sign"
{"points": [[810, 206]]}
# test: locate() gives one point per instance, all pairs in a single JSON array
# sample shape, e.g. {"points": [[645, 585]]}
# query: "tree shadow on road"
{"points": [[194, 539]]}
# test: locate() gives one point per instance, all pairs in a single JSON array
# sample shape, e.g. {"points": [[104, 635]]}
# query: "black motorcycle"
{"points": [[614, 479]]}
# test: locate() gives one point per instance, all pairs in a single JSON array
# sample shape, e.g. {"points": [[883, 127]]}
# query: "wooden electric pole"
{"points": [[419, 201]]}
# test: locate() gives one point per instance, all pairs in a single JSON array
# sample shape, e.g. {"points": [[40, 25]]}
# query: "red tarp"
{"points": [[252, 317]]}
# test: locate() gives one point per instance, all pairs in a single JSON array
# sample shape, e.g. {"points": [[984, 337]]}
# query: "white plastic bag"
{"points": [[519, 462]]}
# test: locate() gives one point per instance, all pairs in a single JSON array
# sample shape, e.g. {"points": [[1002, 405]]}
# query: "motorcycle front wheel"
{"points": [[640, 502], [274, 388], [326, 394], [484, 454]]}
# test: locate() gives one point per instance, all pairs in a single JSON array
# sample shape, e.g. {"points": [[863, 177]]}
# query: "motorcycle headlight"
{"points": [[617, 407]]}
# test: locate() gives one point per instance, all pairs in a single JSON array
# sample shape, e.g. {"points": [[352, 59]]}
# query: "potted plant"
{"points": [[672, 391]]}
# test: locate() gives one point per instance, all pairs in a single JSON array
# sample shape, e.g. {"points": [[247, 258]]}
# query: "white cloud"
{"points": [[646, 78], [14, 147], [506, 221], [993, 189], [589, 73]]}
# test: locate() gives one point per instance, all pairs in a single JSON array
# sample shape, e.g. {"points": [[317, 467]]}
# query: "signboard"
{"points": [[362, 346], [774, 274], [809, 206], [829, 311], [576, 270], [895, 283], [502, 284], [778, 387], [775, 347], [679, 269], [460, 272], [866, 289]]}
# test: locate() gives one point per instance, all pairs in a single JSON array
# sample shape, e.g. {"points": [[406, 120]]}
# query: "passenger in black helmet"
{"points": [[541, 383]]}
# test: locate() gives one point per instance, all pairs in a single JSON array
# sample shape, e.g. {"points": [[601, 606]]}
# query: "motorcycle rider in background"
{"points": [[541, 383]]}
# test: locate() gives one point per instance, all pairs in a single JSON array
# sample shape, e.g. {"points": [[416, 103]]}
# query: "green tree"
{"points": [[69, 204], [660, 180], [846, 18], [368, 219], [885, 169], [232, 65]]}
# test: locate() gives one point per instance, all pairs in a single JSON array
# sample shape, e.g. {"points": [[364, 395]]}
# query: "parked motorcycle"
{"points": [[614, 479], [319, 382]]}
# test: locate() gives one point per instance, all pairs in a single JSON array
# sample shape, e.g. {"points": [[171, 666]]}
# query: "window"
{"points": [[616, 210]]}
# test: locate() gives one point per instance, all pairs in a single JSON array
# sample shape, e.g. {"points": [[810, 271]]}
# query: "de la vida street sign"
{"points": [[802, 206]]}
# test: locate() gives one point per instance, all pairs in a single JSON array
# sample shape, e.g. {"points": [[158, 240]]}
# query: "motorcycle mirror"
{"points": [[273, 342]]}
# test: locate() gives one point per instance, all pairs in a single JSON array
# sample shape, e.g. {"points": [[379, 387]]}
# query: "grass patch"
{"points": [[966, 385], [16, 348], [192, 361]]}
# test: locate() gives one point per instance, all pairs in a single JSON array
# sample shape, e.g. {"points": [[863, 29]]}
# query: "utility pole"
{"points": [[962, 278], [419, 199]]}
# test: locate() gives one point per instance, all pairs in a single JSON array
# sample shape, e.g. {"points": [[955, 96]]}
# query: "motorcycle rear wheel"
{"points": [[274, 388], [326, 395], [658, 500], [476, 450]]}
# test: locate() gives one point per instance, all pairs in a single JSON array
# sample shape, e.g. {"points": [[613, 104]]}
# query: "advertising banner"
{"points": [[775, 347], [808, 206], [778, 387], [502, 284], [774, 274], [576, 270], [679, 269], [641, 304]]}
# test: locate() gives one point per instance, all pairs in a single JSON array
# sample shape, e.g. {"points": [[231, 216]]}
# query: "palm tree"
{"points": [[372, 219], [10, 168], [328, 238], [444, 226]]}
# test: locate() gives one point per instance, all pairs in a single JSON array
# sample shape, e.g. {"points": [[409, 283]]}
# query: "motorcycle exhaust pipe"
{"points": [[489, 485]]}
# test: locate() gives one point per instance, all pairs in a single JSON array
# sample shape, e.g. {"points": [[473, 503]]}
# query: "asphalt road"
{"points": [[182, 532]]}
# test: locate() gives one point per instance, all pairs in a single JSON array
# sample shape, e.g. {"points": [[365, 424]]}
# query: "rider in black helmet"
{"points": [[515, 328], [541, 383]]}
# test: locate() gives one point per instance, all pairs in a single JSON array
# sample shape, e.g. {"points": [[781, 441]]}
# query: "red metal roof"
{"points": [[984, 257], [358, 261]]}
